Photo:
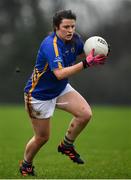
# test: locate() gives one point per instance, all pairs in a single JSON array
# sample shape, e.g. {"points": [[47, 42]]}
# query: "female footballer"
{"points": [[48, 88]]}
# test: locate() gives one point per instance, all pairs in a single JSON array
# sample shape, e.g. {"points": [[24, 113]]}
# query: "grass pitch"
{"points": [[105, 145]]}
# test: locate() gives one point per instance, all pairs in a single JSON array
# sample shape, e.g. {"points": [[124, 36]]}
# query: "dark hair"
{"points": [[60, 15]]}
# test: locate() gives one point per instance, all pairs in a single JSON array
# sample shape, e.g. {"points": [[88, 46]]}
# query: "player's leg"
{"points": [[40, 113], [41, 135], [75, 104]]}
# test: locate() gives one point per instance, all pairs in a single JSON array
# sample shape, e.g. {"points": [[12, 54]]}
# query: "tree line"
{"points": [[23, 25]]}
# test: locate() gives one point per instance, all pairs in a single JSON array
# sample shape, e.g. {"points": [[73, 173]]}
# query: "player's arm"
{"points": [[68, 71], [90, 60]]}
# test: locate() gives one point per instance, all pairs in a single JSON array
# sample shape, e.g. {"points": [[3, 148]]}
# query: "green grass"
{"points": [[105, 145]]}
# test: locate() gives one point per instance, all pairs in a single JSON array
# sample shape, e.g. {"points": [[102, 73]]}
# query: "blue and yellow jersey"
{"points": [[53, 53]]}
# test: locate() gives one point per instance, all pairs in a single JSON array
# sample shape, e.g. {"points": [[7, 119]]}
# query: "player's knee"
{"points": [[86, 116]]}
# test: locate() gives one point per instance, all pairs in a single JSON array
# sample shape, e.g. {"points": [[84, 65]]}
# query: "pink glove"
{"points": [[94, 60]]}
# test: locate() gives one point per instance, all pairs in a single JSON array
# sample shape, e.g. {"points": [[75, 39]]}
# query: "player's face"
{"points": [[66, 29]]}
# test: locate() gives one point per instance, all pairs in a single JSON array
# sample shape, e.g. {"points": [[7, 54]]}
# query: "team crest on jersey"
{"points": [[73, 49]]}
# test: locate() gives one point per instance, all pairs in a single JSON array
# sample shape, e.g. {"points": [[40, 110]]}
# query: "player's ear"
{"points": [[56, 28]]}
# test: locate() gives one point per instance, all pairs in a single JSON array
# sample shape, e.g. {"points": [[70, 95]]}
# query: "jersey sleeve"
{"points": [[53, 55]]}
